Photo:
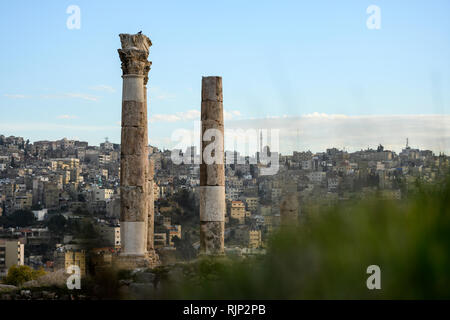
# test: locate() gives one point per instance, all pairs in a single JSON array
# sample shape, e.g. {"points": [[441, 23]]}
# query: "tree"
{"points": [[185, 250], [36, 207], [233, 222], [253, 170], [56, 224], [81, 212], [4, 221], [185, 199], [18, 275], [21, 218]]}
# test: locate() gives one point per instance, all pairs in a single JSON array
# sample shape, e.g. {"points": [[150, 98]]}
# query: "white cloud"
{"points": [[67, 116], [160, 94], [319, 131], [164, 118], [103, 87], [82, 96], [317, 115], [178, 116], [190, 115], [43, 126], [229, 115], [15, 96]]}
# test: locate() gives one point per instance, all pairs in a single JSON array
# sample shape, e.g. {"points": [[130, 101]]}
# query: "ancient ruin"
{"points": [[212, 173], [136, 173]]}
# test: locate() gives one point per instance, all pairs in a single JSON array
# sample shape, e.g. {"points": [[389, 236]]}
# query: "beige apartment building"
{"points": [[11, 253], [65, 258], [156, 191], [23, 200], [238, 211], [252, 204], [249, 238]]}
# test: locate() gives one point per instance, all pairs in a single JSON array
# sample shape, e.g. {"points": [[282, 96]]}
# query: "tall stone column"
{"points": [[150, 208], [212, 175], [134, 145]]}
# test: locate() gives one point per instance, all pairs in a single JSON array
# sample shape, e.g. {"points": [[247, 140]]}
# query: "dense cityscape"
{"points": [[60, 200]]}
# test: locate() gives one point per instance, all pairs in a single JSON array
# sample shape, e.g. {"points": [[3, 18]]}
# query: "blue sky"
{"points": [[285, 59]]}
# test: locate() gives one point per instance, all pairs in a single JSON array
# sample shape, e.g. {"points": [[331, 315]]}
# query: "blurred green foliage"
{"points": [[17, 275], [327, 255]]}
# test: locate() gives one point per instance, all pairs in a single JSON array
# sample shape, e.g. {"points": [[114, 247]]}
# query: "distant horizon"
{"points": [[369, 147]]}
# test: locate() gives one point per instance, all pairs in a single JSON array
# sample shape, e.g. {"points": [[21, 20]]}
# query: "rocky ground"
{"points": [[141, 284]]}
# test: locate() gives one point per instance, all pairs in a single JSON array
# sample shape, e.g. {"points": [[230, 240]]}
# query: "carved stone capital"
{"points": [[134, 54]]}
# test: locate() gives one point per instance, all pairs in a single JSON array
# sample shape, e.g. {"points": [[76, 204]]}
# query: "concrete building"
{"points": [[160, 240], [110, 235], [65, 257], [11, 253], [249, 238], [237, 211], [23, 200], [252, 204], [40, 214], [317, 176], [99, 194]]}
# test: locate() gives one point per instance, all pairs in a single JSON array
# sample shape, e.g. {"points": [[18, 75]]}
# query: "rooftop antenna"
{"points": [[407, 142]]}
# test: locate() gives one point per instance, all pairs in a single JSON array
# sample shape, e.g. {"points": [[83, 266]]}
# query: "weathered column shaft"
{"points": [[212, 175], [150, 207], [134, 142]]}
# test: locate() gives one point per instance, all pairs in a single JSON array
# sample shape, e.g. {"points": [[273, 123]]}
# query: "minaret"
{"points": [[212, 175], [260, 142]]}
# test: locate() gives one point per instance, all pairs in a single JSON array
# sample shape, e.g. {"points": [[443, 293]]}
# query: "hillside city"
{"points": [[60, 200]]}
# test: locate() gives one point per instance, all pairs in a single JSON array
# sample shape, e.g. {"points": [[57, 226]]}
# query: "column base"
{"points": [[131, 262], [212, 235]]}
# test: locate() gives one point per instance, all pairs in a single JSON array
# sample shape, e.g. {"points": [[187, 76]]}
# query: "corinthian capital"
{"points": [[134, 54]]}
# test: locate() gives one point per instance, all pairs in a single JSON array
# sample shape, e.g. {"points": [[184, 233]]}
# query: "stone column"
{"points": [[134, 144], [212, 175], [150, 208]]}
